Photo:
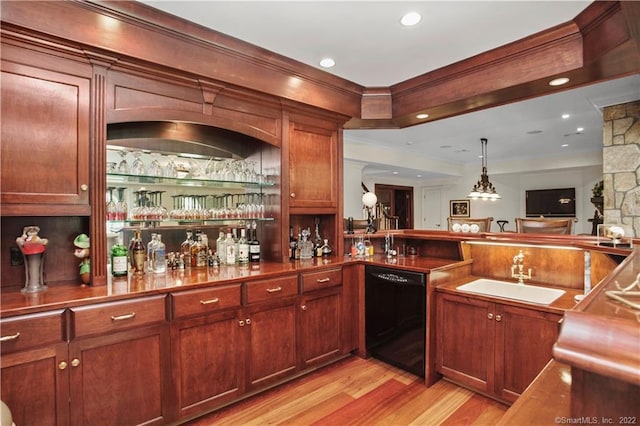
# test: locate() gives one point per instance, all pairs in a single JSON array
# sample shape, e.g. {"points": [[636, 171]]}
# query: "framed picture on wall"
{"points": [[459, 208]]}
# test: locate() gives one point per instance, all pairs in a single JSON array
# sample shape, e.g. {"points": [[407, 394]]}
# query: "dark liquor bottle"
{"points": [[254, 244], [293, 244], [137, 253]]}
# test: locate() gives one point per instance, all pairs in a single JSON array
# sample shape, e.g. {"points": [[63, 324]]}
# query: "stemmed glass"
{"points": [[112, 208], [122, 209], [123, 166], [138, 166], [155, 169], [171, 169]]}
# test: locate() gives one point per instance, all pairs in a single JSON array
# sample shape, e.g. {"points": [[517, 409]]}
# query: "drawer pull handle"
{"points": [[323, 280], [207, 302], [303, 307], [274, 290], [75, 362], [123, 317], [9, 338], [241, 323], [248, 321], [498, 318], [62, 365], [490, 315]]}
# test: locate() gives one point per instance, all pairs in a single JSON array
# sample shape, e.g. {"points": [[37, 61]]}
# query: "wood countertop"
{"points": [[58, 296]]}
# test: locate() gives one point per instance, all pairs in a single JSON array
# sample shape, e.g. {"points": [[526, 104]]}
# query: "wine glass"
{"points": [[155, 169], [123, 166], [137, 168], [122, 209], [111, 205], [171, 168]]}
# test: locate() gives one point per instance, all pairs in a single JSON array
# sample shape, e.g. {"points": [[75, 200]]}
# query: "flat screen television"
{"points": [[551, 202]]}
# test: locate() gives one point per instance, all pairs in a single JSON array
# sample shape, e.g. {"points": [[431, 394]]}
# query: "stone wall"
{"points": [[621, 166]]}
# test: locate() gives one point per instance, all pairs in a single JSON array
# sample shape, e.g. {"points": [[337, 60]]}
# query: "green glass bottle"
{"points": [[119, 259]]}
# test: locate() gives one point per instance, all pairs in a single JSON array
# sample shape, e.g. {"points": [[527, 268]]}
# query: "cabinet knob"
{"points": [[303, 307], [75, 362], [241, 323], [490, 315], [293, 195], [498, 318], [248, 321], [62, 365], [84, 187]]}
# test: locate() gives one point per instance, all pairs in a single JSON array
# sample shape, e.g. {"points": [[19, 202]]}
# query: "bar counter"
{"points": [[58, 296]]}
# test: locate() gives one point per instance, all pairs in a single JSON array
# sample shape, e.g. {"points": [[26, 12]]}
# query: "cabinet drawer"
{"points": [[205, 300], [107, 317], [259, 291], [28, 331], [321, 279]]}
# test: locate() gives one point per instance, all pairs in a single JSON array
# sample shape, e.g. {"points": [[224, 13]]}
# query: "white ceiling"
{"points": [[372, 49]]}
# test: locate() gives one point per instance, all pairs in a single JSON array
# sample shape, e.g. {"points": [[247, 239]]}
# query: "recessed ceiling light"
{"points": [[395, 173], [409, 142], [559, 81], [411, 18], [565, 116], [579, 129], [422, 116], [564, 145], [327, 63], [419, 176]]}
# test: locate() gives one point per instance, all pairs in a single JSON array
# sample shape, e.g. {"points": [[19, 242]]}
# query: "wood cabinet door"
{"points": [[45, 141], [465, 340], [121, 378], [320, 320], [208, 364], [35, 385], [271, 353], [524, 340], [313, 162]]}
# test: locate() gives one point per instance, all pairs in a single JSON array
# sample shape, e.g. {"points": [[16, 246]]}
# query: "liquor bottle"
{"points": [[326, 248], [292, 244], [243, 248], [254, 244], [150, 249], [185, 249], [159, 256], [137, 253], [317, 240], [230, 246], [221, 248], [198, 253], [305, 245], [119, 259]]}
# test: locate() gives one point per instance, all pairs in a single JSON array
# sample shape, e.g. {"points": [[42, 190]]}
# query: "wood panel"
{"points": [[58, 141], [553, 266]]}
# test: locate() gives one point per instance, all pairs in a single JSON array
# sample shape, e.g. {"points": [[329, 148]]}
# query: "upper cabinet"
{"points": [[45, 133], [313, 165]]}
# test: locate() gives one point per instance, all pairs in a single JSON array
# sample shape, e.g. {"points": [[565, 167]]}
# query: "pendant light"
{"points": [[484, 189]]}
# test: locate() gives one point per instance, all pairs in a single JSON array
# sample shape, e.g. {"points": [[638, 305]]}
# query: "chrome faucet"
{"points": [[517, 269]]}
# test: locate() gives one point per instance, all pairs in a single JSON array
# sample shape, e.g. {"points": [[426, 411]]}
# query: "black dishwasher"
{"points": [[395, 316]]}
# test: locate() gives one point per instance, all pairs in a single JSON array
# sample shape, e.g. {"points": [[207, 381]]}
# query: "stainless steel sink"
{"points": [[514, 291]]}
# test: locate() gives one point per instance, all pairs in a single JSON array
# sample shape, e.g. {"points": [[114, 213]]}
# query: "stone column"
{"points": [[621, 166]]}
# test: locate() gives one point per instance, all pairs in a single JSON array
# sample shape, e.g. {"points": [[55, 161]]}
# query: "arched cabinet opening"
{"points": [[175, 178]]}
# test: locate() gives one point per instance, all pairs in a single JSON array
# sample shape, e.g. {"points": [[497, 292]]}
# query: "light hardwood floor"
{"points": [[356, 391]]}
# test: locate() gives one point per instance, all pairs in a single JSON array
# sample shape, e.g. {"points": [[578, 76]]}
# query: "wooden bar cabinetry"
{"points": [[495, 348]]}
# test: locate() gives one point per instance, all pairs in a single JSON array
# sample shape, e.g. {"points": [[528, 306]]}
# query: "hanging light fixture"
{"points": [[484, 189]]}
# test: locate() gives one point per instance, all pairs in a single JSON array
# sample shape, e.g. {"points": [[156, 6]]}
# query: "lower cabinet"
{"points": [[320, 325], [207, 343], [270, 321], [121, 378], [495, 348]]}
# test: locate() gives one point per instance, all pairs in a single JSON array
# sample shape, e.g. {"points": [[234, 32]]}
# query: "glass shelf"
{"points": [[194, 221], [165, 181]]}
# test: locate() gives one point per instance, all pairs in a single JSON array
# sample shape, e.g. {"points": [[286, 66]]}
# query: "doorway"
{"points": [[396, 201]]}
